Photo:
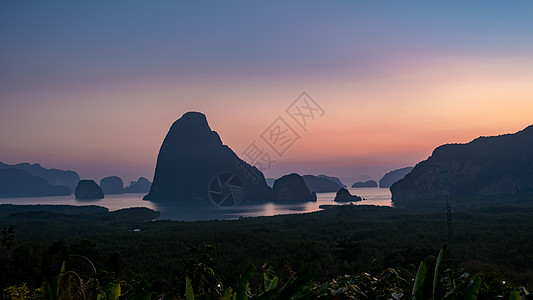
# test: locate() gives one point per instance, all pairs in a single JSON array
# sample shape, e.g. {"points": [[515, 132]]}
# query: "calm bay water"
{"points": [[373, 196]]}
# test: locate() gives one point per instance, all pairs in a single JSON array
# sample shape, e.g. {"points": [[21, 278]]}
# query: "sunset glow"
{"points": [[95, 89]]}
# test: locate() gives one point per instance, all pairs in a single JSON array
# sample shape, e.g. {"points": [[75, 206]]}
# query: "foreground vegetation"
{"points": [[202, 283], [379, 246]]}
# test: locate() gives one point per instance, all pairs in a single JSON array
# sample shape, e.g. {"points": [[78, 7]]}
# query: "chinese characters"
{"points": [[280, 135]]}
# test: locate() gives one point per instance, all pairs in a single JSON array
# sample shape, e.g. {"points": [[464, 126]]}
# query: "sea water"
{"points": [[372, 196]]}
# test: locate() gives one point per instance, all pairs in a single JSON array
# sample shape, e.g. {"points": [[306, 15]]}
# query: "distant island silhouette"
{"points": [[291, 189], [142, 185], [37, 181], [343, 195], [320, 184], [332, 178], [88, 190], [115, 185], [18, 183], [195, 167], [112, 185], [391, 177], [365, 184], [52, 176]]}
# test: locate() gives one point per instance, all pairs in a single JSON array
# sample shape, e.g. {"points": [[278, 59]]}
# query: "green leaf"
{"points": [[473, 289], [244, 283], [228, 293], [273, 284], [515, 295], [438, 273], [63, 268], [114, 293], [189, 293], [51, 289], [268, 278], [418, 288]]}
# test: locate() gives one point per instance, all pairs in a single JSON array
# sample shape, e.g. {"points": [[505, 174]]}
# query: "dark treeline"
{"points": [[337, 241]]}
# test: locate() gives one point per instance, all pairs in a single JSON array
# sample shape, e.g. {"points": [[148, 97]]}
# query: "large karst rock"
{"points": [[112, 185], [485, 167], [88, 190], [391, 177], [193, 166], [292, 189], [18, 183]]}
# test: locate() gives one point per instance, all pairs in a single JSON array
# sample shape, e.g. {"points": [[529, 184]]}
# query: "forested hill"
{"points": [[337, 241], [487, 168]]}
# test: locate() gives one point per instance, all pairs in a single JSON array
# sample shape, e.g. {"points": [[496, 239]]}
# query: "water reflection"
{"points": [[373, 196], [184, 212]]}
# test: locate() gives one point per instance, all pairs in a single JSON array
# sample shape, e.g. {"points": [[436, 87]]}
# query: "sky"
{"points": [[94, 86]]}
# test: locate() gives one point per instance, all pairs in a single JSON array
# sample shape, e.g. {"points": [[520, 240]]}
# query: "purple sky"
{"points": [[94, 86]]}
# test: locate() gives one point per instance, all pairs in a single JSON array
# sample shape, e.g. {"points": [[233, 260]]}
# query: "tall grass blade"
{"points": [[189, 293], [418, 288], [438, 273]]}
